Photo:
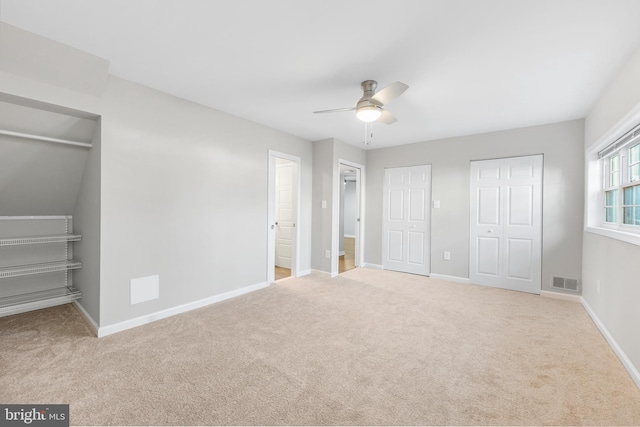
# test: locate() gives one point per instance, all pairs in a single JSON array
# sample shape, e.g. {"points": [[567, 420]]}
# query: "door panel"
{"points": [[520, 205], [395, 178], [396, 205], [416, 248], [506, 223], [488, 201], [417, 205], [395, 246], [406, 221], [522, 170], [284, 212], [519, 254], [488, 256]]}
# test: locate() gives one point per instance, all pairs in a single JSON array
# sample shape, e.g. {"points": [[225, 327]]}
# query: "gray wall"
{"points": [[184, 196], [326, 187], [183, 187], [561, 144], [322, 191], [38, 177], [86, 221], [612, 262]]}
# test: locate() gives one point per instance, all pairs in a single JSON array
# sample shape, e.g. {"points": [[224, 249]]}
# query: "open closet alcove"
{"points": [[49, 207]]}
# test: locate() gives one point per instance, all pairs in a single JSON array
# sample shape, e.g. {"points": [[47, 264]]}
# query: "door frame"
{"points": [[271, 214], [335, 214]]}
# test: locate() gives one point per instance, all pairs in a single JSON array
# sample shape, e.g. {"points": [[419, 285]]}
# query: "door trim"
{"points": [[335, 215], [271, 214]]}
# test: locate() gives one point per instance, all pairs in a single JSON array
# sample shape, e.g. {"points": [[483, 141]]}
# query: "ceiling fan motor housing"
{"points": [[368, 90], [366, 102]]}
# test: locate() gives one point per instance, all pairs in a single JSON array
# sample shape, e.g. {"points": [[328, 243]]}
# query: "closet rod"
{"points": [[45, 138]]}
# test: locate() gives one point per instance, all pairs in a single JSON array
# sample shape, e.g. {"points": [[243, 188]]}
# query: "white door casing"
{"points": [[271, 214], [360, 214], [406, 223], [505, 223], [285, 212]]}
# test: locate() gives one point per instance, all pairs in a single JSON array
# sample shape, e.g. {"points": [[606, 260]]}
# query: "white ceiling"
{"points": [[472, 66]]}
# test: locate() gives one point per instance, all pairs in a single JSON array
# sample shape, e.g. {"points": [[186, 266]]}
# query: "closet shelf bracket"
{"points": [[37, 300], [30, 240], [48, 267]]}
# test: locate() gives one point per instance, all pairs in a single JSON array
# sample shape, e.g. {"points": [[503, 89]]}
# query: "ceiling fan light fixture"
{"points": [[368, 113]]}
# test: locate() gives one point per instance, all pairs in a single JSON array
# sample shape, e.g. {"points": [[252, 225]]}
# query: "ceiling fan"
{"points": [[371, 106]]}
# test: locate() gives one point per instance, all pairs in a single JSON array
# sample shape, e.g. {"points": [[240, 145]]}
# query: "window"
{"points": [[614, 171], [611, 206], [634, 163], [612, 197], [631, 205], [621, 183]]}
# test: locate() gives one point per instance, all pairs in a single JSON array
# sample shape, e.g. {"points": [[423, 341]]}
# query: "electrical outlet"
{"points": [[327, 254], [598, 286], [447, 256], [324, 204], [436, 204]]}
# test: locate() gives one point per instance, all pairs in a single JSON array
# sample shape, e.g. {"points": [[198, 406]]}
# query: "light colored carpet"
{"points": [[368, 347]]}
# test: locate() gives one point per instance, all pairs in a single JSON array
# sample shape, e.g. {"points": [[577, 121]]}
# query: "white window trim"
{"points": [[594, 192]]}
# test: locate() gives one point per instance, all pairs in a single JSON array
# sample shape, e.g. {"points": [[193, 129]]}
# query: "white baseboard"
{"points": [[353, 236], [341, 253], [304, 273], [374, 266], [560, 295], [143, 320], [319, 271], [632, 370], [90, 322], [455, 279]]}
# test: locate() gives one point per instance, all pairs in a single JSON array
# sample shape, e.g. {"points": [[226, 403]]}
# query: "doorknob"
{"points": [[273, 226], [489, 231]]}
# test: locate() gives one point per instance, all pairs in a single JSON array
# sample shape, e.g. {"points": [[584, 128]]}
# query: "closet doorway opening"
{"points": [[283, 252], [349, 229]]}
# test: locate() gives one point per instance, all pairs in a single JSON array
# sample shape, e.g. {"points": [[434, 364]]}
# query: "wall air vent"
{"points": [[566, 284]]}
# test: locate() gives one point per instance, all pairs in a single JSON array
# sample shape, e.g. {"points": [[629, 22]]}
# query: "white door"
{"points": [[285, 212], [406, 219], [506, 223]]}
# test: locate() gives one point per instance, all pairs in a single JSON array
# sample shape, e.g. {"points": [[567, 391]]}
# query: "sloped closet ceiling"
{"points": [[38, 177]]}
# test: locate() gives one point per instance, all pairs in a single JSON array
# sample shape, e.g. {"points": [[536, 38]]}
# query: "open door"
{"points": [[283, 217], [348, 218]]}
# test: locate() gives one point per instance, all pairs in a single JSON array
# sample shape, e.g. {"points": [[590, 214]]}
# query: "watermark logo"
{"points": [[34, 415]]}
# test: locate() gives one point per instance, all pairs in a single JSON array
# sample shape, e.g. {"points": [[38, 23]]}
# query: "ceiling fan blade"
{"points": [[387, 118], [389, 93], [335, 110]]}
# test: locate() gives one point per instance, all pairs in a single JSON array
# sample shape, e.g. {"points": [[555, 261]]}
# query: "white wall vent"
{"points": [[145, 289], [567, 284]]}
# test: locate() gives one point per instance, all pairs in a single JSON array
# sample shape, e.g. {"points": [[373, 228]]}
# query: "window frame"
{"points": [[623, 181], [623, 136]]}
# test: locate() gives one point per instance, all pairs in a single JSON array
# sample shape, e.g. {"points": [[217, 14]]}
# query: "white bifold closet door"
{"points": [[505, 224], [406, 239]]}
